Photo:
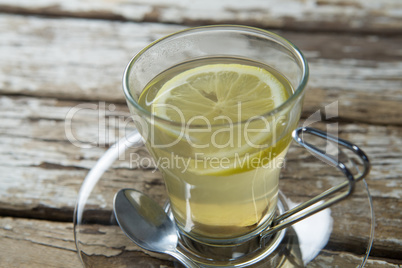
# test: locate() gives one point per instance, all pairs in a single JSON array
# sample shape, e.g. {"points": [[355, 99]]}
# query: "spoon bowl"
{"points": [[146, 224]]}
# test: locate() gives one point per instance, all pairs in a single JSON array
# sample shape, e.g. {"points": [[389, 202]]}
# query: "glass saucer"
{"points": [[340, 236]]}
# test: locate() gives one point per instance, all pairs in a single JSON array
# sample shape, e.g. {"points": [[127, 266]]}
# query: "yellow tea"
{"points": [[220, 150]]}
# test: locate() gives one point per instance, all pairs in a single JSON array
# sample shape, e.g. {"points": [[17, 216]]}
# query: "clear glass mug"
{"points": [[223, 192]]}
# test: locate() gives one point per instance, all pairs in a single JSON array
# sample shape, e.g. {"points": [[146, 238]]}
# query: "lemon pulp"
{"points": [[213, 92]]}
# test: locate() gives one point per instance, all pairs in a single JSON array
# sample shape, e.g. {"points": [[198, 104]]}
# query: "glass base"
{"points": [[245, 254]]}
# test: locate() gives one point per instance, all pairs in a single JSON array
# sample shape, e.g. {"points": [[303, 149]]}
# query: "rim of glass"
{"points": [[299, 90]]}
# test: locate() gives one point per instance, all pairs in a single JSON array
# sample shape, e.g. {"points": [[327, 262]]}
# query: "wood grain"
{"points": [[76, 59], [62, 107], [51, 244], [33, 139], [329, 15], [38, 243]]}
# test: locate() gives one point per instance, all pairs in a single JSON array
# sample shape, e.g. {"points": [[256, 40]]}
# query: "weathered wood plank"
{"points": [[84, 60], [37, 154], [35, 243], [67, 59], [344, 259], [51, 244], [35, 124], [39, 243], [333, 15]]}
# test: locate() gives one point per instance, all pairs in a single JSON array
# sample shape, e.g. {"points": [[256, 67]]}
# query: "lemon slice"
{"points": [[217, 93], [215, 97]]}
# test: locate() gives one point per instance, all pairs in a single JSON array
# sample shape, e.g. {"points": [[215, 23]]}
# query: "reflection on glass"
{"points": [[313, 232]]}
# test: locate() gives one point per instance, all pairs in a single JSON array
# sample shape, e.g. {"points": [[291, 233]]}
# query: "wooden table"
{"points": [[57, 55]]}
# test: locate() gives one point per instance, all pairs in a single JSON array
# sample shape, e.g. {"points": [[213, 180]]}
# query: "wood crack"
{"points": [[48, 165]]}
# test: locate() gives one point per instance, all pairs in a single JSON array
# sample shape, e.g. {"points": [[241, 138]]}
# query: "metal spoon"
{"points": [[147, 224]]}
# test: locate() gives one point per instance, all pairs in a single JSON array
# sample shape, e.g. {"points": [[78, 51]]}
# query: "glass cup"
{"points": [[221, 176]]}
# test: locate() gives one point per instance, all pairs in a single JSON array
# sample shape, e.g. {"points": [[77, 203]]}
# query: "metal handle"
{"points": [[303, 210]]}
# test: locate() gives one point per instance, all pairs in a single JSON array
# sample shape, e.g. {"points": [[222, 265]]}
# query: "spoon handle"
{"points": [[186, 261]]}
